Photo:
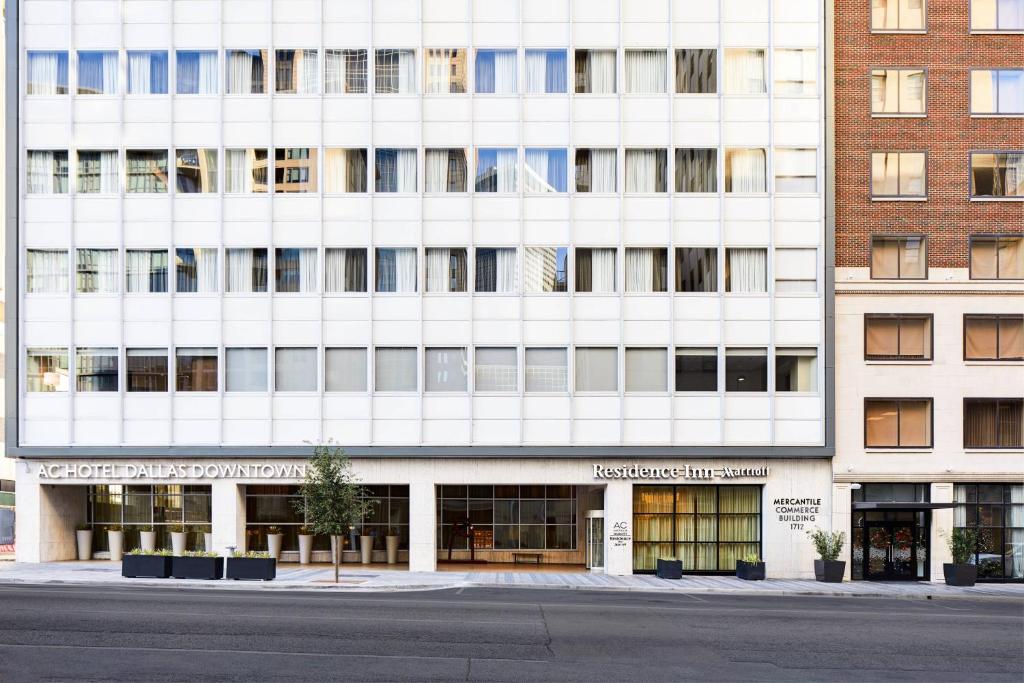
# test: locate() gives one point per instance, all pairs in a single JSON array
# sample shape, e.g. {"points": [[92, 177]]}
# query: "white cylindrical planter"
{"points": [[84, 538], [392, 545], [178, 543], [306, 548], [274, 545], [148, 540], [115, 540], [366, 549], [207, 541]]}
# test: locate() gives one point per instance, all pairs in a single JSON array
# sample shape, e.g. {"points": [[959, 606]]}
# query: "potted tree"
{"points": [[828, 544], [115, 541], [147, 538], [274, 537], [146, 563], [750, 568], [366, 547], [197, 564], [305, 544], [391, 544], [178, 532], [963, 544], [331, 498], [253, 565], [83, 536]]}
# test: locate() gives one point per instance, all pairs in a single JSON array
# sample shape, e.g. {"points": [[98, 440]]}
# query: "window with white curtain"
{"points": [[98, 172], [245, 369], [597, 369], [345, 72], [746, 170], [296, 72], [994, 174], [345, 270], [796, 270], [546, 170], [146, 171], [245, 270], [746, 369], [496, 270], [445, 369], [46, 172], [646, 269], [394, 369], [344, 171], [496, 369], [646, 71], [697, 71], [395, 72], [898, 174], [546, 71], [46, 369], [746, 270], [796, 370], [903, 15], [96, 369], [547, 370], [445, 170], [696, 170], [145, 370], [147, 72], [595, 270], [496, 72], [646, 171], [195, 270], [796, 170], [997, 91], [596, 170], [145, 271], [646, 369], [245, 171], [545, 269], [446, 269], [195, 170], [444, 70], [345, 369], [396, 270], [744, 71], [97, 72], [395, 170], [46, 271], [96, 271], [595, 72], [246, 72], [496, 170], [196, 72], [696, 269], [295, 170], [295, 369], [898, 91], [994, 15], [295, 270], [796, 71], [46, 72]]}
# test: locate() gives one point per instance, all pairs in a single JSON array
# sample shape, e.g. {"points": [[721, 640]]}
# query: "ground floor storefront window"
{"points": [[507, 517], [996, 511], [708, 528], [162, 507], [890, 544]]}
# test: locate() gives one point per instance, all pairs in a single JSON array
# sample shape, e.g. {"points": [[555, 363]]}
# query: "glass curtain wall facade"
{"points": [[508, 517], [996, 511], [136, 508]]}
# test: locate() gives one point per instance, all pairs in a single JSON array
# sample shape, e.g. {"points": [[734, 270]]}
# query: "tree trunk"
{"points": [[337, 556]]}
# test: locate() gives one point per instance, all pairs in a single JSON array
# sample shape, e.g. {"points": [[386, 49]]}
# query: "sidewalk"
{"points": [[382, 578]]}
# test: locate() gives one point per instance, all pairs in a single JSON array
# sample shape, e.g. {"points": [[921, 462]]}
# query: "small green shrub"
{"points": [[828, 544], [751, 558], [200, 553], [159, 553], [252, 554], [115, 527], [963, 543]]}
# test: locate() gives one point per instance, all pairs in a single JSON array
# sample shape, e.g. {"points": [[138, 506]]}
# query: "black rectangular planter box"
{"points": [[197, 567], [960, 574], [148, 566], [750, 571], [254, 568], [670, 569], [829, 571]]}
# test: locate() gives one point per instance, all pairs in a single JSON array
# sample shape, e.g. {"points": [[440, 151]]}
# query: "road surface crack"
{"points": [[547, 632]]}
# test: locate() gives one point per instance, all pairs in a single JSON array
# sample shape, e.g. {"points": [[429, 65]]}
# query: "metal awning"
{"points": [[863, 505]]}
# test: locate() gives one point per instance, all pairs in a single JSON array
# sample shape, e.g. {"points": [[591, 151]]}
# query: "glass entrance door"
{"points": [[892, 549]]}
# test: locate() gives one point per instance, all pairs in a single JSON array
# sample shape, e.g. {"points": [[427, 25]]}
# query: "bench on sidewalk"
{"points": [[534, 556]]}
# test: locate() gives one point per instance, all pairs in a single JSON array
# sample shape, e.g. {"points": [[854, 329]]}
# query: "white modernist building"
{"points": [[529, 262]]}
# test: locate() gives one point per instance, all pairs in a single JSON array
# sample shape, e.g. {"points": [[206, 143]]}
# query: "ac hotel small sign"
{"points": [[685, 472]]}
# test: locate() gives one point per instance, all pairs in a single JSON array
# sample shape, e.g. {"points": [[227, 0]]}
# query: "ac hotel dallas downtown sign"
{"points": [[171, 471]]}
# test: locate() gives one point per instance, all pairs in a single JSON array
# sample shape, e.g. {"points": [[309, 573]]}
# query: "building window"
{"points": [[496, 72], [596, 170], [796, 71], [796, 170], [708, 528], [345, 369], [496, 270], [445, 70], [296, 72], [345, 270], [245, 171], [545, 269], [196, 170], [345, 72], [197, 72], [746, 171], [196, 270], [897, 15], [345, 170], [196, 369], [997, 15], [547, 370], [160, 507], [997, 174], [546, 170], [46, 72], [746, 369], [395, 72], [295, 369], [98, 172], [595, 72], [994, 337], [295, 169], [46, 369], [46, 172], [595, 270], [597, 369], [696, 369], [508, 517], [745, 71], [899, 258], [97, 72], [295, 270], [646, 269], [445, 170], [898, 423], [546, 71], [996, 513], [146, 369], [697, 71], [898, 91], [146, 171], [246, 72], [147, 72], [997, 257], [495, 369], [394, 369], [746, 270], [96, 271], [95, 369], [496, 170], [445, 369], [898, 174], [395, 170], [647, 370], [993, 423], [646, 171], [646, 71], [897, 337], [997, 91], [796, 270], [245, 270], [396, 270], [796, 370], [446, 269], [696, 269], [696, 170], [146, 271], [46, 272]]}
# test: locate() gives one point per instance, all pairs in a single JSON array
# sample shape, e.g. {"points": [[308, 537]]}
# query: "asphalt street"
{"points": [[132, 634]]}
